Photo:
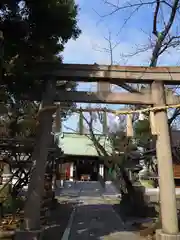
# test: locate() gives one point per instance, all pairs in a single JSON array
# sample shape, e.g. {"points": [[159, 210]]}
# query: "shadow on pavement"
{"points": [[99, 221], [98, 216], [57, 221]]}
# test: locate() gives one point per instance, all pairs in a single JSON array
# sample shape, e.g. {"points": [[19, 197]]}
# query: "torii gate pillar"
{"points": [[168, 206]]}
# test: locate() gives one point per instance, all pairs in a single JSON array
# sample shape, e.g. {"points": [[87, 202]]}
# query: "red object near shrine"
{"points": [[67, 171]]}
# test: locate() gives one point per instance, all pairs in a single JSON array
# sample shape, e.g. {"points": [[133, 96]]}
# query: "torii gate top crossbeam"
{"points": [[115, 74]]}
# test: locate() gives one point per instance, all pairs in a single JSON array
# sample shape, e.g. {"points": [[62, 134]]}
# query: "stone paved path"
{"points": [[94, 217], [95, 221]]}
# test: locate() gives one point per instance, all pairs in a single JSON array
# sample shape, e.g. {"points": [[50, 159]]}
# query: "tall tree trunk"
{"points": [[128, 183], [39, 157]]}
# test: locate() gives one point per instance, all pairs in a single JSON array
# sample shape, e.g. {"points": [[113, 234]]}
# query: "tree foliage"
{"points": [[142, 132], [121, 145], [34, 33]]}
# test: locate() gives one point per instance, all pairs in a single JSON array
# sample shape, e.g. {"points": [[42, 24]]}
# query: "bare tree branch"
{"points": [[101, 150], [164, 40], [162, 35], [111, 47], [155, 32], [127, 5]]}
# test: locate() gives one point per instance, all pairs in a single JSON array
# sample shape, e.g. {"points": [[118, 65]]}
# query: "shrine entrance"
{"points": [[86, 171]]}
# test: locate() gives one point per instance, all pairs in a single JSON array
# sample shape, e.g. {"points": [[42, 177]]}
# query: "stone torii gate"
{"points": [[156, 96]]}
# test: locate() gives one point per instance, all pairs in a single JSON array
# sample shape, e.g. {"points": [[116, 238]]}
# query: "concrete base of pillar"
{"points": [[28, 235], [164, 236]]}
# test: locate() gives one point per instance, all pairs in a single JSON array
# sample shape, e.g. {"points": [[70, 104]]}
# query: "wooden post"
{"points": [[165, 165], [81, 123], [105, 127], [58, 124]]}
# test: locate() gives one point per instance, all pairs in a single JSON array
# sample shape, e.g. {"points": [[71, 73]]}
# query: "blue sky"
{"points": [[88, 48]]}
